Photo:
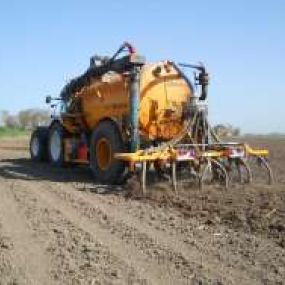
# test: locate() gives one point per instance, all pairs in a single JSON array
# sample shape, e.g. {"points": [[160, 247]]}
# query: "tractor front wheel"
{"points": [[38, 144], [55, 145]]}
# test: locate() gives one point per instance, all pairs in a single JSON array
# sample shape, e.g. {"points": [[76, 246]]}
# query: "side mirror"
{"points": [[48, 99]]}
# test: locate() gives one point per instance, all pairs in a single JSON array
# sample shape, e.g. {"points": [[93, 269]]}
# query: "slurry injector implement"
{"points": [[126, 117]]}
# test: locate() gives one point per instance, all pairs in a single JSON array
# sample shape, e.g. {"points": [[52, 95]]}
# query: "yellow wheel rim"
{"points": [[103, 153]]}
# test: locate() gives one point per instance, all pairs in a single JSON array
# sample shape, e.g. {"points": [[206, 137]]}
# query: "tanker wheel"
{"points": [[105, 141], [38, 144], [55, 145]]}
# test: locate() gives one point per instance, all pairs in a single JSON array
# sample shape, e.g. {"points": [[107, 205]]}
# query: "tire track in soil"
{"points": [[126, 254], [204, 262], [145, 218], [232, 256], [29, 262], [78, 257], [9, 274], [244, 253], [188, 262], [155, 244], [184, 239]]}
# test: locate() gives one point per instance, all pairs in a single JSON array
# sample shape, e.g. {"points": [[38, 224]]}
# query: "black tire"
{"points": [[56, 148], [113, 172], [38, 144]]}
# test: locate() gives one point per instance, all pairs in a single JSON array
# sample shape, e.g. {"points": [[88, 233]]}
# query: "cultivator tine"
{"points": [[221, 168], [244, 177], [143, 179], [261, 156], [174, 176], [248, 171], [202, 175], [262, 160], [217, 172]]}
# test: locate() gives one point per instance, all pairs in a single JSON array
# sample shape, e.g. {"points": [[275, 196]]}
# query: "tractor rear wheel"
{"points": [[55, 145], [105, 141], [38, 144]]}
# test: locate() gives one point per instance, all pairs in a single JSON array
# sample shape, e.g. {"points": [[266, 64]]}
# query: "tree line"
{"points": [[25, 119], [226, 130], [31, 118]]}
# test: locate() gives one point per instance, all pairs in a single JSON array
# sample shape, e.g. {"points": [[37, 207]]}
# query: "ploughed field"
{"points": [[58, 227]]}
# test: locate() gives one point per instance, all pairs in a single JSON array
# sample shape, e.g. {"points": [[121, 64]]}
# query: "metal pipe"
{"points": [[134, 108], [181, 73], [202, 79], [194, 66]]}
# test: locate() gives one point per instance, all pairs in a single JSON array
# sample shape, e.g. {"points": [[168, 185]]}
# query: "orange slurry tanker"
{"points": [[126, 117]]}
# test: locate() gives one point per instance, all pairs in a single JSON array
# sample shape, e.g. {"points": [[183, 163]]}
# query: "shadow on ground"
{"points": [[25, 169]]}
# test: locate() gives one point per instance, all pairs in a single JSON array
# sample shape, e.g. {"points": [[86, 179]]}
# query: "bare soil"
{"points": [[57, 226]]}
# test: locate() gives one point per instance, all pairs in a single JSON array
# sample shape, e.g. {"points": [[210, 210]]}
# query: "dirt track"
{"points": [[56, 228]]}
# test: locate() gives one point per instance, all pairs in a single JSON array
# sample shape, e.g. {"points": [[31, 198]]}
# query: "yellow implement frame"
{"points": [[140, 156], [171, 155], [255, 152]]}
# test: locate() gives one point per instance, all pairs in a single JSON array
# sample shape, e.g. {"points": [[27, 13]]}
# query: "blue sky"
{"points": [[45, 43]]}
